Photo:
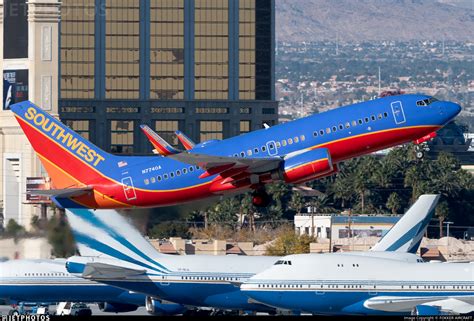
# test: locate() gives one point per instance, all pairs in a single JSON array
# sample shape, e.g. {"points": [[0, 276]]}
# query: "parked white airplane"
{"points": [[361, 283], [48, 281], [117, 254]]}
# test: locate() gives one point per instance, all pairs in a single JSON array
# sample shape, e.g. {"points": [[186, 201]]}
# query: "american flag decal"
{"points": [[122, 164]]}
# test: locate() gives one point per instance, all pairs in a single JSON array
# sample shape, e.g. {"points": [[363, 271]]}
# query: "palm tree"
{"points": [[442, 213], [394, 203]]}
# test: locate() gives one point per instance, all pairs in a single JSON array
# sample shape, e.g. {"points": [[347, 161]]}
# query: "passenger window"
{"points": [[159, 178], [197, 167], [278, 145], [185, 171], [321, 132], [297, 140], [360, 122], [256, 150], [366, 119], [191, 169], [302, 138], [334, 128], [283, 142], [264, 148], [271, 146], [249, 152], [354, 123], [328, 130], [315, 134], [147, 182], [290, 141], [372, 117], [341, 127], [178, 173], [171, 175], [379, 116], [242, 154], [385, 115], [152, 180], [348, 125]]}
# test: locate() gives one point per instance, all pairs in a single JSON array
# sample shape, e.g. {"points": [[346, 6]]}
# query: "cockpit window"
{"points": [[282, 262], [426, 102]]}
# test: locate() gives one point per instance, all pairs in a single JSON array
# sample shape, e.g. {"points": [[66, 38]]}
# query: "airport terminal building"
{"points": [[104, 67]]}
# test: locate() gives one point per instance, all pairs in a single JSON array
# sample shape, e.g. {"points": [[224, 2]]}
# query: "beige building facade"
{"points": [[40, 63]]}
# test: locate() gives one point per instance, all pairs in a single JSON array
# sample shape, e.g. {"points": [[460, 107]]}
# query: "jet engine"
{"points": [[308, 165], [157, 307], [115, 307]]}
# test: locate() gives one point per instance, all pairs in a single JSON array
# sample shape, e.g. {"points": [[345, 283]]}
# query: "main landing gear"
{"points": [[260, 198], [420, 150]]}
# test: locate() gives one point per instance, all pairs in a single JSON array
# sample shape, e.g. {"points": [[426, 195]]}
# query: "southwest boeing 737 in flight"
{"points": [[84, 176]]}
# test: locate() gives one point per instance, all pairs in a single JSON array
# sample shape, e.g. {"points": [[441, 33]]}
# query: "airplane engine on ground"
{"points": [[158, 307], [116, 307], [308, 165]]}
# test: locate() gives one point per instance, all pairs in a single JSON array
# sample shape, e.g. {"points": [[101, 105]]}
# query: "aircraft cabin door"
{"points": [[398, 113], [272, 148], [129, 189]]}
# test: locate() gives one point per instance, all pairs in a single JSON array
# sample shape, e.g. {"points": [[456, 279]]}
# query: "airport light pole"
{"points": [[447, 235]]}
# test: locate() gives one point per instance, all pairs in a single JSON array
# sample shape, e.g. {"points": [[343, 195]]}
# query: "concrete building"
{"points": [[205, 67], [29, 62], [344, 226]]}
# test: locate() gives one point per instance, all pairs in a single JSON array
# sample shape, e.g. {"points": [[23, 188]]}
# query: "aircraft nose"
{"points": [[451, 109]]}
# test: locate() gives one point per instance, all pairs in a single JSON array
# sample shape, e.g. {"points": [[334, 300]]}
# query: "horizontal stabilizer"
{"points": [[101, 271], [160, 145], [185, 140], [61, 193]]}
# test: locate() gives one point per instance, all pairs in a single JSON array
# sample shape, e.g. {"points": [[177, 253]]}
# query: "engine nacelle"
{"points": [[156, 307], [115, 307], [308, 165]]}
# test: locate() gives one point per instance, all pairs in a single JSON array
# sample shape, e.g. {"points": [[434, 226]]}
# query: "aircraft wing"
{"points": [[101, 271], [218, 164], [456, 304], [61, 193]]}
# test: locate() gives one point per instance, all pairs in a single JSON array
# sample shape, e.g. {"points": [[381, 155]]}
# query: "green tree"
{"points": [[394, 203], [289, 243], [14, 229], [297, 202], [169, 229], [60, 236]]}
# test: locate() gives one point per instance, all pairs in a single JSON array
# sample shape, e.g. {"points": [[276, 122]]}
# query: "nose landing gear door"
{"points": [[398, 113], [128, 188]]}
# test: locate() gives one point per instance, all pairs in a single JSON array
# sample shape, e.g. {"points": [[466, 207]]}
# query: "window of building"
{"points": [[79, 126], [244, 126], [211, 130], [166, 129], [268, 111], [122, 49], [211, 42], [121, 134], [212, 110], [77, 32], [167, 49], [245, 110], [247, 58]]}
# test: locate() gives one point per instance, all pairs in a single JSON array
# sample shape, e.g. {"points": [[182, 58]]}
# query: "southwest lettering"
{"points": [[56, 131], [82, 149]]}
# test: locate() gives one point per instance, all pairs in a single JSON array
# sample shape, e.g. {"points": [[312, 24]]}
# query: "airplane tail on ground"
{"points": [[70, 160], [107, 234], [406, 235]]}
